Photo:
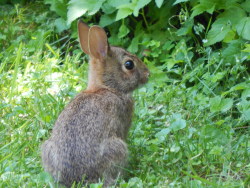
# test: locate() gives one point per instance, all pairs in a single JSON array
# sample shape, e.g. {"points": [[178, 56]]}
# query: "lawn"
{"points": [[191, 121]]}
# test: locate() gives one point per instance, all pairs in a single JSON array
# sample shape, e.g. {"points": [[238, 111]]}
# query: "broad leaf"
{"points": [[78, 8], [246, 115], [115, 3], [107, 20], [60, 7], [245, 94], [243, 28], [140, 4], [206, 7], [218, 104], [216, 150], [133, 47], [218, 32], [186, 28], [218, 76], [226, 104], [237, 12], [247, 49], [215, 104], [123, 12], [162, 134], [123, 31], [246, 6], [61, 24], [178, 124], [180, 1], [159, 3], [107, 8]]}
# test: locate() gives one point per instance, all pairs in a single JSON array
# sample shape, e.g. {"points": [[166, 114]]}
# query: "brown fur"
{"points": [[88, 139]]}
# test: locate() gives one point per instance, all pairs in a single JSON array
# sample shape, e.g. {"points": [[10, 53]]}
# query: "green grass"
{"points": [[179, 137]]}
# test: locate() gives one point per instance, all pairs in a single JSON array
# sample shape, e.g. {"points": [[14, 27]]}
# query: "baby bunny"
{"points": [[88, 140]]}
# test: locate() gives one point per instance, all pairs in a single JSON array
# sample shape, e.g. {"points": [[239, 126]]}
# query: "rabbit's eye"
{"points": [[129, 65]]}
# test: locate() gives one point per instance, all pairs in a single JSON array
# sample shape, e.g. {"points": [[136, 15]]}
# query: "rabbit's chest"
{"points": [[122, 117]]}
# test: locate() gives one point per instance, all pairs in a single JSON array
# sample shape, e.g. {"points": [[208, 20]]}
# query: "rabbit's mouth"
{"points": [[143, 80], [145, 77]]}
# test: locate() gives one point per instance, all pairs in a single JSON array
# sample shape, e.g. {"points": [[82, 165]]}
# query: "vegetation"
{"points": [[191, 123]]}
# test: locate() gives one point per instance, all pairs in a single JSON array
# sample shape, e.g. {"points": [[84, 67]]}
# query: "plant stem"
{"points": [[144, 18]]}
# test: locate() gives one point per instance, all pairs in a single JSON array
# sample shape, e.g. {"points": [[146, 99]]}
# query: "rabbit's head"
{"points": [[110, 67]]}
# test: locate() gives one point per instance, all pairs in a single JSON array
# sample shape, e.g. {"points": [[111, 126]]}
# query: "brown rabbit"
{"points": [[88, 139]]}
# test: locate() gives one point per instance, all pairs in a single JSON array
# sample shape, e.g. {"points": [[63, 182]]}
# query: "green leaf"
{"points": [[238, 13], [237, 87], [107, 8], [229, 36], [218, 76], [115, 3], [218, 32], [204, 7], [177, 122], [218, 104], [222, 28], [215, 104], [170, 63], [140, 4], [226, 104], [186, 28], [135, 182], [162, 134], [107, 19], [158, 3], [78, 8], [246, 6], [2, 37], [175, 148], [123, 31], [133, 47], [247, 49], [245, 94], [180, 1], [123, 12], [60, 7], [216, 150], [61, 24], [246, 115], [232, 48], [96, 185], [240, 86], [243, 28]]}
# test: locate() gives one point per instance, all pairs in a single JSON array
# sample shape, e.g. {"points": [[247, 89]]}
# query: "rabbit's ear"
{"points": [[98, 42], [83, 33]]}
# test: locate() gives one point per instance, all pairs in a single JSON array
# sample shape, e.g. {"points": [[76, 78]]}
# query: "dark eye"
{"points": [[129, 65]]}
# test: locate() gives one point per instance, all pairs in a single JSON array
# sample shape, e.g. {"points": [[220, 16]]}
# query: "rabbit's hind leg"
{"points": [[114, 153]]}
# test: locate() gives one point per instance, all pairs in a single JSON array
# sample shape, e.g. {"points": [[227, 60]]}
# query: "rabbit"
{"points": [[88, 140]]}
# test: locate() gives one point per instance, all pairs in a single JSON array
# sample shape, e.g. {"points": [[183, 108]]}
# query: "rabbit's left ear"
{"points": [[83, 33], [98, 43]]}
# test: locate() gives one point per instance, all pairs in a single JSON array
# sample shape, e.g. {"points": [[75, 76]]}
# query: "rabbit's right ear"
{"points": [[83, 33], [98, 43]]}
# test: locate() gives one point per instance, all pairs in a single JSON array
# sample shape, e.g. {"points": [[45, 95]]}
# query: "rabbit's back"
{"points": [[97, 115], [74, 147]]}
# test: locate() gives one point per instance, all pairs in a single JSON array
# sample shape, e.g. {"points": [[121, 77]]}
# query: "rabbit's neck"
{"points": [[95, 76]]}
